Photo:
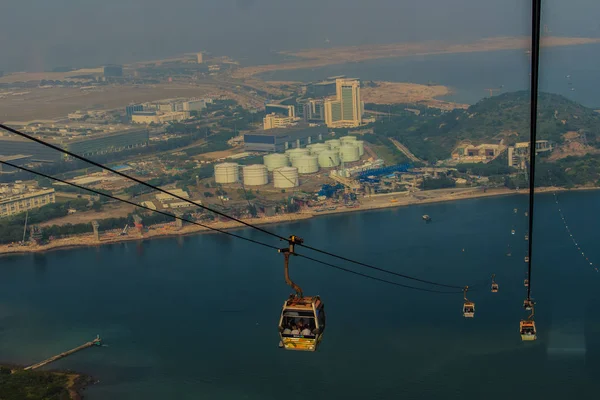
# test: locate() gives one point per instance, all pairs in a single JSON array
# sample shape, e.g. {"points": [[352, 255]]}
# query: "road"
{"points": [[406, 151]]}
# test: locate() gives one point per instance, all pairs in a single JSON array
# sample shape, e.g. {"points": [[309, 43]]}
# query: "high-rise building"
{"points": [[346, 109], [314, 110], [200, 58]]}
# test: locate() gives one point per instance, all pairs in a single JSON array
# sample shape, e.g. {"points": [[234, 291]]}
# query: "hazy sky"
{"points": [[41, 34]]}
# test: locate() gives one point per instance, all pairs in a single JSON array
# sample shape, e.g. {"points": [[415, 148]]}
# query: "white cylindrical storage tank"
{"points": [[227, 173], [309, 147], [295, 153], [275, 160], [329, 159], [316, 149], [285, 177], [348, 139], [361, 147], [334, 143], [306, 164], [255, 175], [349, 153]]}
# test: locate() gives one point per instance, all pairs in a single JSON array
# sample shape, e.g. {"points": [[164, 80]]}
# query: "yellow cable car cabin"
{"points": [[468, 306], [469, 309], [526, 282], [494, 284], [302, 323], [528, 331], [526, 259]]}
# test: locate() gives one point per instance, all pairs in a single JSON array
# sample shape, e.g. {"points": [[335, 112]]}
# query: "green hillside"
{"points": [[433, 136]]}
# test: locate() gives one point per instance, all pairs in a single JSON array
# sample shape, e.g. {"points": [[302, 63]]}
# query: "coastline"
{"points": [[375, 202], [76, 382], [321, 57]]}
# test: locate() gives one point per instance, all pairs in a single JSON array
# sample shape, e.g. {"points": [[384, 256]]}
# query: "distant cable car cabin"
{"points": [[468, 306], [527, 328], [526, 259], [526, 282], [526, 237], [528, 304], [512, 232], [494, 284], [302, 320], [515, 210]]}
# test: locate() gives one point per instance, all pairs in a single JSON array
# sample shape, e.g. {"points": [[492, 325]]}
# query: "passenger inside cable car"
{"points": [[528, 331], [469, 309], [302, 323]]}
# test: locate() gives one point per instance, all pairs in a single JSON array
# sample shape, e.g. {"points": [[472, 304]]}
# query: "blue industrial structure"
{"points": [[384, 171], [329, 190]]}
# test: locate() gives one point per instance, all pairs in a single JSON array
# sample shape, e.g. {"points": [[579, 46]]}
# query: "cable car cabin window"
{"points": [[298, 324]]}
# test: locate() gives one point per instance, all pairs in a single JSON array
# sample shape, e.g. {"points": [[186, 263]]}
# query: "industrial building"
{"points": [[18, 198], [477, 153], [347, 108], [519, 153], [320, 89], [194, 105], [272, 121], [107, 143], [10, 145], [280, 139], [133, 108], [17, 159], [153, 117], [280, 109]]}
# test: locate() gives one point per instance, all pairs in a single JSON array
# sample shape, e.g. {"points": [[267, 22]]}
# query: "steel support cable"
{"points": [[535, 66], [139, 181], [44, 143], [137, 205], [381, 269], [216, 229]]}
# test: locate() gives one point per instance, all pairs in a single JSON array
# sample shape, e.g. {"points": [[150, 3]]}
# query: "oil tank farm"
{"points": [[329, 159], [306, 164], [349, 153], [347, 139], [361, 147], [334, 144], [318, 148], [255, 175], [275, 160], [227, 173], [295, 153], [285, 177]]}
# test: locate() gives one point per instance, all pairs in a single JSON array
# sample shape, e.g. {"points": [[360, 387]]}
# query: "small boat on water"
{"points": [[426, 218]]}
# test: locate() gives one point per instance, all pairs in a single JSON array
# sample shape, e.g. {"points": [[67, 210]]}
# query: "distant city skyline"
{"points": [[41, 35]]}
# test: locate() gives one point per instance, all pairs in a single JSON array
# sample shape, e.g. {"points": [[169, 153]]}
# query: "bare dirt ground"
{"points": [[88, 216], [401, 92], [52, 103], [58, 102], [314, 58]]}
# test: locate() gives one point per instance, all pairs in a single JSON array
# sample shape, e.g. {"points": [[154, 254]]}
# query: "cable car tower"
{"points": [[302, 320]]}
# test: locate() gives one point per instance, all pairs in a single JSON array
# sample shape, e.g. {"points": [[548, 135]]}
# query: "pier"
{"points": [[96, 342]]}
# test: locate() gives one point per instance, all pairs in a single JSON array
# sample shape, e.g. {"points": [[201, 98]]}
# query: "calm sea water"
{"points": [[196, 317], [469, 75]]}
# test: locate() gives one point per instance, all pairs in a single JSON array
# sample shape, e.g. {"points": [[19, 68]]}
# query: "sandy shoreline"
{"points": [[377, 202], [316, 58]]}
